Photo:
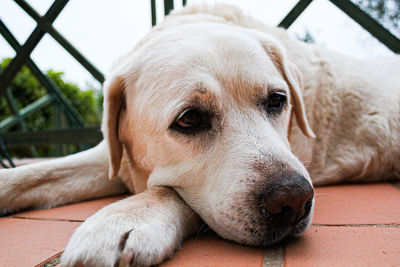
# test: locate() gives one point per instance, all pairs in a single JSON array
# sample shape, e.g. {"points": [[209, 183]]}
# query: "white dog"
{"points": [[212, 118]]}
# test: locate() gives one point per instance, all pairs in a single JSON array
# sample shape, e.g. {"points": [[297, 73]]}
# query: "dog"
{"points": [[217, 118]]}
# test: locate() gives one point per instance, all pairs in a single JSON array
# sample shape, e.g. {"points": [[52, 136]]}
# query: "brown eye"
{"points": [[192, 121], [189, 118], [275, 102]]}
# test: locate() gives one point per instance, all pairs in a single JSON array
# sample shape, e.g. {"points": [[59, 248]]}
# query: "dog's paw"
{"points": [[147, 245], [121, 240]]}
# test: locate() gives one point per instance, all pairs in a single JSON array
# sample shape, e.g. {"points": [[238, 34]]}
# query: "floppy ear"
{"points": [[114, 102], [293, 79]]}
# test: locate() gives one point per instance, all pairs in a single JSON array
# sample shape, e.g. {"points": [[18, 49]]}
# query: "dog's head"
{"points": [[205, 109]]}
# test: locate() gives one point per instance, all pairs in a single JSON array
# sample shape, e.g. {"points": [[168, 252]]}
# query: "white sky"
{"points": [[103, 30]]}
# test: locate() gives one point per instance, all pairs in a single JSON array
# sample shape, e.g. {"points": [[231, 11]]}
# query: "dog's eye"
{"points": [[275, 102], [189, 118], [192, 121]]}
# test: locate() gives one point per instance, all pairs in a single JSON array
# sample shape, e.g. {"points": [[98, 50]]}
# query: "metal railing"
{"points": [[54, 94], [354, 12]]}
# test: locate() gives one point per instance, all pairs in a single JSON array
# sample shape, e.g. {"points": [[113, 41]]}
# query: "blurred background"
{"points": [[103, 30]]}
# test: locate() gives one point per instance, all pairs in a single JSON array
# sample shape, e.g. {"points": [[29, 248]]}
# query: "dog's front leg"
{"points": [[55, 182], [144, 229]]}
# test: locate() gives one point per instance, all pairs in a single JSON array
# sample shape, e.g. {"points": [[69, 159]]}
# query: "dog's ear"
{"points": [[292, 77], [114, 103]]}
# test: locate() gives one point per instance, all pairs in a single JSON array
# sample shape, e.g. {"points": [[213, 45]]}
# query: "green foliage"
{"points": [[85, 102], [26, 89]]}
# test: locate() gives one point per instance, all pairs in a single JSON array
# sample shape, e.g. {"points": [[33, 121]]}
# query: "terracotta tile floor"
{"points": [[354, 225]]}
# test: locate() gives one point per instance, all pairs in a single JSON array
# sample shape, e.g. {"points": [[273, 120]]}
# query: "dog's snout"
{"points": [[288, 201]]}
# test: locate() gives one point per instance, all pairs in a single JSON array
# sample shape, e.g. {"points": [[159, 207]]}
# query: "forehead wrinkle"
{"points": [[245, 92], [240, 85], [203, 98]]}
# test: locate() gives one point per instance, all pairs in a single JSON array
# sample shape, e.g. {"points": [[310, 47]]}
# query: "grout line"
{"points": [[273, 257], [52, 261], [395, 185], [46, 219], [359, 225]]}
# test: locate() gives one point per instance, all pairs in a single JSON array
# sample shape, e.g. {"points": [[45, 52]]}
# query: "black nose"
{"points": [[289, 200]]}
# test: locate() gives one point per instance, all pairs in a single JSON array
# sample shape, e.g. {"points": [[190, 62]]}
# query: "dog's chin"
{"points": [[270, 235], [282, 233]]}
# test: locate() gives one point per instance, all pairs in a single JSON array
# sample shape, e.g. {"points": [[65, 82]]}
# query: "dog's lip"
{"points": [[282, 232], [301, 226]]}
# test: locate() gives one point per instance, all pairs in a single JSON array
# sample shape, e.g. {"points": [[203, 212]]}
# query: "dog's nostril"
{"points": [[307, 209], [307, 206], [286, 210]]}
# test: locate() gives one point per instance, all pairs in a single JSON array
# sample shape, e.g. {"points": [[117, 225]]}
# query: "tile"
{"points": [[345, 246], [73, 212], [210, 250], [357, 204], [30, 242]]}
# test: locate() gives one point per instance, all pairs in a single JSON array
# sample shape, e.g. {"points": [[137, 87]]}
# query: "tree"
{"points": [[26, 89]]}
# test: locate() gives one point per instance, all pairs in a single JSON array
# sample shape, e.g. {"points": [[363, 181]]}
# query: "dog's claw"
{"points": [[127, 255], [127, 258]]}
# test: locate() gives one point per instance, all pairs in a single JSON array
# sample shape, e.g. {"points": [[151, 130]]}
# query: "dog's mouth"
{"points": [[281, 233], [259, 229], [277, 234]]}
